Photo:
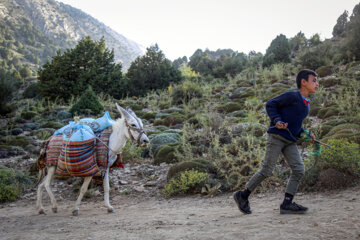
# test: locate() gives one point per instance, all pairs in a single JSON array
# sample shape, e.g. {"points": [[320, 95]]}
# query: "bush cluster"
{"points": [[12, 182], [186, 182], [184, 92], [89, 100], [342, 155]]}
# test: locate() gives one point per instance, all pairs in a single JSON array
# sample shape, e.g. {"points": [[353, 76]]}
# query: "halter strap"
{"points": [[139, 130]]}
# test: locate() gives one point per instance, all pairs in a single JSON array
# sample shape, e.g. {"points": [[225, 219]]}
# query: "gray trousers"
{"points": [[275, 145]]}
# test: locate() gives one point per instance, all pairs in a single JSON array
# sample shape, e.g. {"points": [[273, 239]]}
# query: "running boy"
{"points": [[287, 112]]}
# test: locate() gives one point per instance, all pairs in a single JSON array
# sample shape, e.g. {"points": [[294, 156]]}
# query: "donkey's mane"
{"points": [[117, 123]]}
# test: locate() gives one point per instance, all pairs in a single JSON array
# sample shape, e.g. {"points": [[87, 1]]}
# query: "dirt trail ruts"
{"points": [[332, 215]]}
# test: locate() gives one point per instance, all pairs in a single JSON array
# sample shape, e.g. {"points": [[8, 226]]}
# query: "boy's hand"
{"points": [[312, 137], [282, 125]]}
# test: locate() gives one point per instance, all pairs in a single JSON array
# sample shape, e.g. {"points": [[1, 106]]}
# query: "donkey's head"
{"points": [[134, 126]]}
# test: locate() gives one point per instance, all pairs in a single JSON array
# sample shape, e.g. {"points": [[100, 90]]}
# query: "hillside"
{"points": [[207, 131], [33, 31]]}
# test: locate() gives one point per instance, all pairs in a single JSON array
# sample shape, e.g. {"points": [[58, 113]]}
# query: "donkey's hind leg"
{"points": [[39, 205], [46, 183], [49, 177], [83, 190]]}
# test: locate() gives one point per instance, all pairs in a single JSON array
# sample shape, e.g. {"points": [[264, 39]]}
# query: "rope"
{"points": [[306, 136], [65, 152]]}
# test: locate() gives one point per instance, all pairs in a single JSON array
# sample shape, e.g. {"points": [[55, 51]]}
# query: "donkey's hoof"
{"points": [[75, 213], [111, 210], [54, 210], [42, 211]]}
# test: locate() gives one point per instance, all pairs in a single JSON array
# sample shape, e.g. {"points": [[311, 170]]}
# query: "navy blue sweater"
{"points": [[290, 108]]}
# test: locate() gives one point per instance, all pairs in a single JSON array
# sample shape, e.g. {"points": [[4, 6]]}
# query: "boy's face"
{"points": [[311, 85]]}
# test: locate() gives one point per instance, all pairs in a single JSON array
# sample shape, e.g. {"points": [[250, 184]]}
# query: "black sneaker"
{"points": [[292, 208], [243, 204]]}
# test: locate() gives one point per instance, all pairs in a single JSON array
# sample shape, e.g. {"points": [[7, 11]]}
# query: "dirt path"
{"points": [[332, 215]]}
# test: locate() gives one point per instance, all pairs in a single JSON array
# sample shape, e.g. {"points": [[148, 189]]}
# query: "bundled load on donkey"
{"points": [[80, 148]]}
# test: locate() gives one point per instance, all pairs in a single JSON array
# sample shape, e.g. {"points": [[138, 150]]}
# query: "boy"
{"points": [[287, 112]]}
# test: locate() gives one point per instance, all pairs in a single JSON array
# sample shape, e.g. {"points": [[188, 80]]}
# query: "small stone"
{"points": [[122, 182], [150, 184], [140, 188]]}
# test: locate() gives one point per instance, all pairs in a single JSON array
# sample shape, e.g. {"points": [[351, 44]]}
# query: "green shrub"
{"points": [[236, 180], [242, 93], [232, 106], [173, 110], [332, 111], [342, 155], [187, 182], [324, 71], [165, 153], [200, 165], [346, 130], [334, 122], [12, 182], [173, 119], [324, 129], [89, 100], [51, 124], [8, 85], [273, 92], [161, 139], [131, 153], [185, 92], [32, 91], [158, 122], [308, 183], [149, 116], [314, 110], [312, 59], [18, 141], [326, 112], [239, 114], [28, 115], [330, 82]]}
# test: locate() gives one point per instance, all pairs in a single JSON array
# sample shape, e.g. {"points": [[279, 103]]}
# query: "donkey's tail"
{"points": [[41, 161], [41, 175]]}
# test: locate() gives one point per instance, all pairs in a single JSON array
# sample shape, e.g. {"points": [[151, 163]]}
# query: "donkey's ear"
{"points": [[122, 111], [129, 110]]}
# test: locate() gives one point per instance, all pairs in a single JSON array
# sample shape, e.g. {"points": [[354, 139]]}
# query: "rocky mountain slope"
{"points": [[45, 26]]}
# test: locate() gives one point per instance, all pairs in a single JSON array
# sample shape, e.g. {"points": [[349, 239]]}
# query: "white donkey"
{"points": [[128, 127]]}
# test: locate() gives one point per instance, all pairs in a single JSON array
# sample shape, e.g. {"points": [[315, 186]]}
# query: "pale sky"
{"points": [[180, 27]]}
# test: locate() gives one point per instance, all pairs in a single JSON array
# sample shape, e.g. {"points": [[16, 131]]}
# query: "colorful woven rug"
{"points": [[77, 158]]}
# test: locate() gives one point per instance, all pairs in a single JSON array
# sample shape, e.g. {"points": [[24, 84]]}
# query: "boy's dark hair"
{"points": [[304, 74]]}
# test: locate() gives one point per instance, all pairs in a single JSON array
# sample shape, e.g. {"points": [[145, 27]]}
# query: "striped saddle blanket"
{"points": [[56, 143], [77, 158]]}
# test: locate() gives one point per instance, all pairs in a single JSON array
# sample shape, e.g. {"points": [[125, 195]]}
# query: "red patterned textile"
{"points": [[53, 150], [100, 148], [77, 158]]}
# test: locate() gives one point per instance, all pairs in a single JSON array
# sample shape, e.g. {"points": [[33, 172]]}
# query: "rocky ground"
{"points": [[144, 215], [141, 212]]}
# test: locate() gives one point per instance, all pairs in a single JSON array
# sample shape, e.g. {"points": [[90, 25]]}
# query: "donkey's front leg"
{"points": [[106, 191], [46, 183], [83, 190]]}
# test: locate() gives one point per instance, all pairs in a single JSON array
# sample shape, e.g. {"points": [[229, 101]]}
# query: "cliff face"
{"points": [[60, 26]]}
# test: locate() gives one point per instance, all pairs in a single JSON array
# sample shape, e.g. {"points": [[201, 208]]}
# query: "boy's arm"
{"points": [[274, 104]]}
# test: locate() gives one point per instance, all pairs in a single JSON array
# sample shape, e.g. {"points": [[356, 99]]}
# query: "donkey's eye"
{"points": [[133, 125]]}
